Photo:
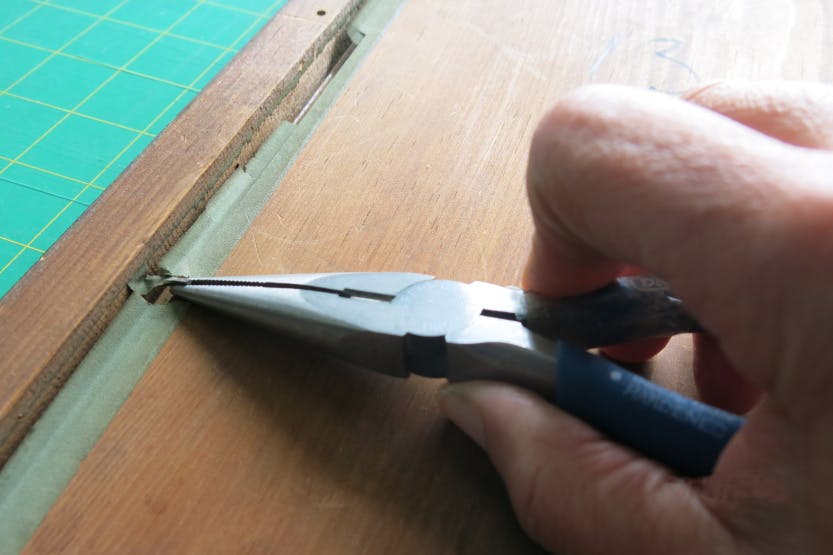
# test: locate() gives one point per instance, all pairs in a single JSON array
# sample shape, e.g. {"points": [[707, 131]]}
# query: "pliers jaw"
{"points": [[332, 312], [392, 323]]}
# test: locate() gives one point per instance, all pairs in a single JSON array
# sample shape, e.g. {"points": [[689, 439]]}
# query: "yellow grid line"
{"points": [[45, 133], [139, 25], [14, 162], [79, 114], [98, 63], [19, 244], [238, 9], [129, 145], [20, 18], [110, 163], [55, 53], [208, 68], [35, 68]]}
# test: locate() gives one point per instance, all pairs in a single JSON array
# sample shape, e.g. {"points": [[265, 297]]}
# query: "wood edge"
{"points": [[43, 367]]}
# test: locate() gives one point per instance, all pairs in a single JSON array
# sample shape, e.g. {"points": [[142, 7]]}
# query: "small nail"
{"points": [[456, 402]]}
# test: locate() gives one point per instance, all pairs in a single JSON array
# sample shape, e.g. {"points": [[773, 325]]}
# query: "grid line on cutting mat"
{"points": [[84, 87]]}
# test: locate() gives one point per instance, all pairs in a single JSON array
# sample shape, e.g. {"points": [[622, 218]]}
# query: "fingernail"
{"points": [[456, 402]]}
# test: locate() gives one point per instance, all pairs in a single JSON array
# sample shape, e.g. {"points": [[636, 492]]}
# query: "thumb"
{"points": [[568, 483]]}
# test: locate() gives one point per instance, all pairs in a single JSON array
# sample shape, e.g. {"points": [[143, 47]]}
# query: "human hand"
{"points": [[732, 204]]}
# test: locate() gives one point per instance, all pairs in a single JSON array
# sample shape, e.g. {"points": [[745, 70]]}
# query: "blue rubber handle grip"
{"points": [[684, 435]]}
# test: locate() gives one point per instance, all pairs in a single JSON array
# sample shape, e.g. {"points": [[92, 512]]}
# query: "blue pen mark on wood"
{"points": [[667, 47], [670, 71], [607, 51]]}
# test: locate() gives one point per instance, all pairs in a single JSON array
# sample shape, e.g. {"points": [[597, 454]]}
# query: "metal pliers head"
{"points": [[392, 322]]}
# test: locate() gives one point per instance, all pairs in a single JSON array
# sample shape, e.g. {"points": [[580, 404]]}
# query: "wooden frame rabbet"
{"points": [[49, 321]]}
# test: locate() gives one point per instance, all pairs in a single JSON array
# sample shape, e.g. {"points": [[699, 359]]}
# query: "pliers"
{"points": [[404, 323]]}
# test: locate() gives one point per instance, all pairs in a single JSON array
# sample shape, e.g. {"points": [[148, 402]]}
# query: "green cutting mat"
{"points": [[85, 85]]}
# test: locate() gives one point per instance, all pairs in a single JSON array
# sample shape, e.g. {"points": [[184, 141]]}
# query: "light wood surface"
{"points": [[236, 441], [54, 315]]}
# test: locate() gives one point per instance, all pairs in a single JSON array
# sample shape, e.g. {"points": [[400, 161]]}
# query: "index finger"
{"points": [[624, 176]]}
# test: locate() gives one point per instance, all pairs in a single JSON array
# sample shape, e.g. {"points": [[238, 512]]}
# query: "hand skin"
{"points": [[727, 195]]}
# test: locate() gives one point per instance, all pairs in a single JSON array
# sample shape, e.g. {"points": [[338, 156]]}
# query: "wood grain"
{"points": [[51, 319], [238, 441]]}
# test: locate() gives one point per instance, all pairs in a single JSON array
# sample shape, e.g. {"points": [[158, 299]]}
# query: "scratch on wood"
{"points": [[252, 233], [520, 57]]}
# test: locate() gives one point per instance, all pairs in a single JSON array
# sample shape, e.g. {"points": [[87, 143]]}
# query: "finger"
{"points": [[798, 113], [567, 482], [636, 351], [718, 383], [550, 276], [618, 174], [560, 267]]}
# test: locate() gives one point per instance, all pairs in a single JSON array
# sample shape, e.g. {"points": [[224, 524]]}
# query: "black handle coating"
{"points": [[634, 307]]}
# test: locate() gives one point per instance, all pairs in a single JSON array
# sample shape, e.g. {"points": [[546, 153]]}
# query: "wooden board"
{"points": [[52, 317], [238, 441]]}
